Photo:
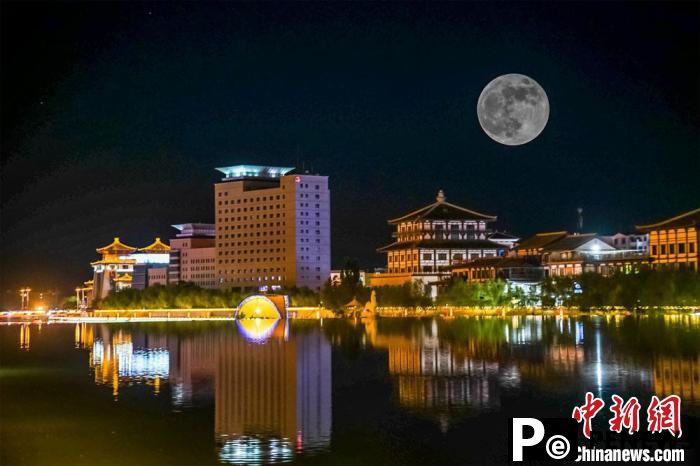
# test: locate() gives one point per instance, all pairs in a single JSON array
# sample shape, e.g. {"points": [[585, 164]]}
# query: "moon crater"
{"points": [[513, 109]]}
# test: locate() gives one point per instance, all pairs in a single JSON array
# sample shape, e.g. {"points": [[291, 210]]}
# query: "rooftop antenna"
{"points": [[579, 223]]}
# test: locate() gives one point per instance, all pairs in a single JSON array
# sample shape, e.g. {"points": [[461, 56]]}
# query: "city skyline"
{"points": [[113, 117]]}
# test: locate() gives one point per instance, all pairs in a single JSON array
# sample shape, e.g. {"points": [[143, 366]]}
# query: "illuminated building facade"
{"points": [[564, 254], [193, 255], [673, 243], [123, 266], [432, 239], [525, 273], [272, 228]]}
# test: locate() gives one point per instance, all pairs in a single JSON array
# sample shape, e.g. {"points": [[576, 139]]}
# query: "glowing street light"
{"points": [[24, 294]]}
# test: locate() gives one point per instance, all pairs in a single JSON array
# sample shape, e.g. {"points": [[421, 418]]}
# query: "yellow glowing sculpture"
{"points": [[258, 307]]}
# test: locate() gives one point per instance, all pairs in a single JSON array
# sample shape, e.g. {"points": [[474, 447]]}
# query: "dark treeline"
{"points": [[588, 291]]}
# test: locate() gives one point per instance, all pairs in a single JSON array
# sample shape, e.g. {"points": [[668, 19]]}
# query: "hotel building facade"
{"points": [[673, 243], [272, 228]]}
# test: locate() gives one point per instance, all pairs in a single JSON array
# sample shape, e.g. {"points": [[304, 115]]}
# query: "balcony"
{"points": [[591, 256]]}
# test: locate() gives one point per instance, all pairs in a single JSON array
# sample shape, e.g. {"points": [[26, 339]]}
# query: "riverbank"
{"points": [[315, 313]]}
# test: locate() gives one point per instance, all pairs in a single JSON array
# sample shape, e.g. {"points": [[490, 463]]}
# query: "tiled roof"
{"points": [[443, 244], [691, 218], [156, 246], [570, 242], [540, 240], [114, 247], [502, 235], [443, 210]]}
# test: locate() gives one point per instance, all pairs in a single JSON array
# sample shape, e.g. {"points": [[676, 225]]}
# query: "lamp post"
{"points": [[24, 294]]}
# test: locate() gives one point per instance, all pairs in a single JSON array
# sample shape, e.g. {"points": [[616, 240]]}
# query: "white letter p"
{"points": [[519, 442]]}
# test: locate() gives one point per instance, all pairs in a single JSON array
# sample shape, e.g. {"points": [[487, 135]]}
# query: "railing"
{"points": [[595, 257]]}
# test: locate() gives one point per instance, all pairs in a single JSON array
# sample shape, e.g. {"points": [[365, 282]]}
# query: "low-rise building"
{"points": [[563, 253], [193, 255], [123, 266], [633, 242], [673, 243]]}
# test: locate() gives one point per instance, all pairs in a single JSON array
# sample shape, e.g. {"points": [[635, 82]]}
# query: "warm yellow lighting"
{"points": [[258, 306]]}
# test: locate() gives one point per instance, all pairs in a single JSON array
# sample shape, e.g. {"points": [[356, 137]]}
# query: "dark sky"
{"points": [[115, 115]]}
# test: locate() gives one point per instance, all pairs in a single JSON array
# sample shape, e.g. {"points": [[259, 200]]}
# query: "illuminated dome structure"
{"points": [[262, 307]]}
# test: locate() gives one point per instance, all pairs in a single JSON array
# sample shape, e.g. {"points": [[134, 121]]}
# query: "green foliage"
{"points": [[302, 296], [406, 295], [177, 296], [488, 293], [648, 288], [335, 296]]}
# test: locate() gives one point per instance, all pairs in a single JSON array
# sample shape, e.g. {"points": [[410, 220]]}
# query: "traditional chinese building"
{"points": [[151, 266], [432, 239], [673, 243], [563, 253], [123, 266], [112, 270]]}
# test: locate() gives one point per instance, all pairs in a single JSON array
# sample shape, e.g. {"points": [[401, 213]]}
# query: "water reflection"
{"points": [[269, 382], [272, 395], [447, 368]]}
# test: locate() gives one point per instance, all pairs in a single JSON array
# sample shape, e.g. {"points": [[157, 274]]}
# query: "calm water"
{"points": [[393, 391]]}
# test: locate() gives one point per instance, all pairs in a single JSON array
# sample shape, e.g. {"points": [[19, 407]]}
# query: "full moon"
{"points": [[513, 109]]}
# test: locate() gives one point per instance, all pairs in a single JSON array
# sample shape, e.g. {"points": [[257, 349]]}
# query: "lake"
{"points": [[388, 391]]}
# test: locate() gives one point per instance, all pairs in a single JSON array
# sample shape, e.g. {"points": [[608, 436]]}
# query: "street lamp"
{"points": [[24, 294]]}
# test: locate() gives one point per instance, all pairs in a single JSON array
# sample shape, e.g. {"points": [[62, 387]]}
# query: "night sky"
{"points": [[114, 117]]}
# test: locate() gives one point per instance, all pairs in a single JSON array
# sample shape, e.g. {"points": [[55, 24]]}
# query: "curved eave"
{"points": [[120, 261], [652, 226], [418, 213]]}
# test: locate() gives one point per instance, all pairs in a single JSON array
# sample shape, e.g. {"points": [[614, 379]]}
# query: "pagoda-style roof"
{"points": [[156, 246], [443, 244], [687, 219], [115, 261], [116, 247], [124, 278], [540, 240], [442, 210]]}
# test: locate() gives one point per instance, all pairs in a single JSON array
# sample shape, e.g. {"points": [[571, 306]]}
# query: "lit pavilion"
{"points": [[110, 271], [432, 239], [123, 266]]}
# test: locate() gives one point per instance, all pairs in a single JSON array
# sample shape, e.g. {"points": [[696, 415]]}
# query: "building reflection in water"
{"points": [[271, 390], [272, 399], [443, 373]]}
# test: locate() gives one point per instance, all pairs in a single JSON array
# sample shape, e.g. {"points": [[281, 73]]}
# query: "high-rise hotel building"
{"points": [[272, 228]]}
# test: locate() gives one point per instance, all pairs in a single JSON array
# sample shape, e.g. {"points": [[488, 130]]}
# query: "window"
{"points": [[427, 257], [671, 248], [681, 248], [442, 256], [653, 250], [691, 247], [663, 249]]}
